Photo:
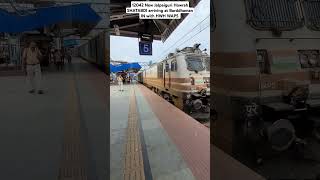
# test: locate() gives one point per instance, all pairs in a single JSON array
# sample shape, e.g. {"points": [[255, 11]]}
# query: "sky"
{"points": [[194, 29]]}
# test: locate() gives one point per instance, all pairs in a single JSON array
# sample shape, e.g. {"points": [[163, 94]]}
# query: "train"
{"points": [[96, 51], [265, 76], [182, 78]]}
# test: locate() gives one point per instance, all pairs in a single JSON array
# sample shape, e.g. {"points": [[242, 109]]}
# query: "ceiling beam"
{"points": [[162, 23], [60, 1], [133, 34], [123, 16], [130, 25]]}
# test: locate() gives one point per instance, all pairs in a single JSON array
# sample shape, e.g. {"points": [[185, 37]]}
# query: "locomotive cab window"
{"points": [[194, 63], [263, 61], [174, 65], [309, 58]]}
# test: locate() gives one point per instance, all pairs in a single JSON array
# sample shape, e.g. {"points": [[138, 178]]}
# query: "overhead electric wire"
{"points": [[182, 37], [194, 35]]}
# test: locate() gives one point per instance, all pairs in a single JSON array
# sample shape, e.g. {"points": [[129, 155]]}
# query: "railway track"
{"points": [[204, 121]]}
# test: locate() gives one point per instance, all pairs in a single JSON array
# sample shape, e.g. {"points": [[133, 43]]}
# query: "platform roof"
{"points": [[83, 32], [80, 16], [130, 24], [125, 67]]}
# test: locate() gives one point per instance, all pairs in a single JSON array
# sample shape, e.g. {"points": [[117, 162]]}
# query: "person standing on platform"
{"points": [[68, 54], [31, 60], [120, 82], [58, 59], [62, 53], [51, 59], [123, 80]]}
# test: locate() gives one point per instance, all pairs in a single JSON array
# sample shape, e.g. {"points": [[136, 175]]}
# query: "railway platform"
{"points": [[152, 139], [60, 134]]}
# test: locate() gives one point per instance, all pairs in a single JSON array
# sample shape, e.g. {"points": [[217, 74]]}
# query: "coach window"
{"points": [[263, 60], [160, 70], [174, 65]]}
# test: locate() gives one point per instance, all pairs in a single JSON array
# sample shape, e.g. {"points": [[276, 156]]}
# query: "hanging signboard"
{"points": [[145, 48]]}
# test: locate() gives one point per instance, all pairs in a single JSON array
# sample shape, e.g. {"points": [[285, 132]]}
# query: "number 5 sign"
{"points": [[145, 48]]}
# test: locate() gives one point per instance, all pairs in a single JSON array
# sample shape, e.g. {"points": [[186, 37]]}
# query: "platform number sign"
{"points": [[145, 48]]}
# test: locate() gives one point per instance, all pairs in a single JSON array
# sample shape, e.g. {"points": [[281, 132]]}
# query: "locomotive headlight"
{"points": [[206, 80], [313, 62], [304, 61]]}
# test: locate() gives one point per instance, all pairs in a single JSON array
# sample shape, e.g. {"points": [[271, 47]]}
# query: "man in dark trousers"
{"points": [[31, 60]]}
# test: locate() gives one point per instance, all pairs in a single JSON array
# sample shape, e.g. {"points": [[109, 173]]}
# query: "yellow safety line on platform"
{"points": [[133, 166], [73, 162]]}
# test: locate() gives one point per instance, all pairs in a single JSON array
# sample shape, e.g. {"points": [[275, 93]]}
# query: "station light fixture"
{"points": [[116, 29], [145, 37]]}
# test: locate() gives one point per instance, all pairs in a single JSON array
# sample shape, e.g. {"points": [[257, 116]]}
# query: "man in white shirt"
{"points": [[31, 59], [120, 82]]}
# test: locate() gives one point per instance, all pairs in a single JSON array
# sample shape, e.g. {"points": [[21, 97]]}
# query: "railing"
{"points": [[312, 14], [279, 15]]}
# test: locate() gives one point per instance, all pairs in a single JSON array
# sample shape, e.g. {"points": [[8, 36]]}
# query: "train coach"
{"points": [[182, 78], [95, 51]]}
